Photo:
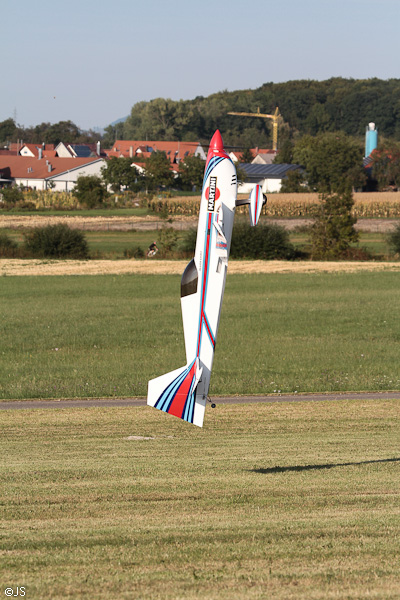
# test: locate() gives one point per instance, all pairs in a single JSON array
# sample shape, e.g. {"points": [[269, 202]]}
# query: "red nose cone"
{"points": [[216, 144], [216, 147]]}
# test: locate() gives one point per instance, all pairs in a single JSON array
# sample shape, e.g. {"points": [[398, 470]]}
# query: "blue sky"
{"points": [[90, 60]]}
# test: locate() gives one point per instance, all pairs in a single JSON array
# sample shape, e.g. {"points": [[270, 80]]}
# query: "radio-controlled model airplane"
{"points": [[184, 392]]}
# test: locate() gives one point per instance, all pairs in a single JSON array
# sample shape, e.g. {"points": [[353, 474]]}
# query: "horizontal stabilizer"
{"points": [[175, 393], [256, 201]]}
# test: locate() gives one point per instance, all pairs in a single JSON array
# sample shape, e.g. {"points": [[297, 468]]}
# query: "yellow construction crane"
{"points": [[274, 118]]}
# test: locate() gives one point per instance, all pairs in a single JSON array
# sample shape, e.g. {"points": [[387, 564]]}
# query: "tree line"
{"points": [[64, 131], [322, 128], [307, 107]]}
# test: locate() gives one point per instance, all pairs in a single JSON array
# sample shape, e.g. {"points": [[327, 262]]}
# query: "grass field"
{"points": [[89, 212], [112, 244], [281, 501], [90, 336], [374, 242]]}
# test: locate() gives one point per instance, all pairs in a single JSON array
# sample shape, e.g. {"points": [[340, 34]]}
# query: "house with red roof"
{"points": [[39, 173], [261, 155], [139, 150], [34, 150]]}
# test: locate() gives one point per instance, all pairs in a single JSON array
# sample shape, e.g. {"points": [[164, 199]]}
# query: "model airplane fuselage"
{"points": [[183, 392]]}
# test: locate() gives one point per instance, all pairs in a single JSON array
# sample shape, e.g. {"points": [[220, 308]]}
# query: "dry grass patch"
{"points": [[20, 267], [13, 221]]}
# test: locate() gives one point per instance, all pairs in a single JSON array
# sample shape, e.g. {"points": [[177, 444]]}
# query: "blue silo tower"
{"points": [[371, 138]]}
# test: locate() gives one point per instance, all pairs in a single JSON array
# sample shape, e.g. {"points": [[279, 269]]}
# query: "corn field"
{"points": [[49, 199], [367, 205]]}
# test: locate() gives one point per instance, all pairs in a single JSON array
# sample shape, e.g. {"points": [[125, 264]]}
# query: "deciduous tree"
{"points": [[333, 161], [386, 166], [158, 171], [120, 174], [8, 130], [247, 156], [90, 190], [191, 170], [333, 230]]}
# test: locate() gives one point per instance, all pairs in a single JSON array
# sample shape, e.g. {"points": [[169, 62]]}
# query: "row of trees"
{"points": [[332, 159], [307, 107], [64, 131], [119, 173]]}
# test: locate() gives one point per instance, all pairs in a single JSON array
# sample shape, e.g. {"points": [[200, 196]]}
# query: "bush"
{"points": [[394, 240], [266, 242], [11, 195], [333, 230], [134, 252], [168, 238], [8, 248], [56, 241], [25, 205], [188, 242], [90, 191]]}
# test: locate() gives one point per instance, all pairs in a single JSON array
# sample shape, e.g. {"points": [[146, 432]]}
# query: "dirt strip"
{"points": [[116, 402], [153, 222], [97, 223], [17, 267]]}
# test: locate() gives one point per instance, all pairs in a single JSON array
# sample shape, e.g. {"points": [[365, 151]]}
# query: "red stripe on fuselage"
{"points": [[178, 403], [208, 330], [206, 258]]}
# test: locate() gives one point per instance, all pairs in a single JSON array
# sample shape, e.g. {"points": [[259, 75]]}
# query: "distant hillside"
{"points": [[306, 106], [121, 120]]}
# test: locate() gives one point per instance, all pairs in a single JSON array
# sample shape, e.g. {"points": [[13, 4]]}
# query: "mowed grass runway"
{"points": [[100, 336], [272, 500], [288, 501]]}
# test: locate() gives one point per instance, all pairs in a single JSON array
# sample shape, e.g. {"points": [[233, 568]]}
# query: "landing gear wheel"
{"points": [[213, 405]]}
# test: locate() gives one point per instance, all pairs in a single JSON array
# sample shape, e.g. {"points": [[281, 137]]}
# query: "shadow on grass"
{"points": [[295, 468]]}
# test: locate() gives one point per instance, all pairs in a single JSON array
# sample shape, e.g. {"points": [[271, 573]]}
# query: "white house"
{"points": [[59, 174]]}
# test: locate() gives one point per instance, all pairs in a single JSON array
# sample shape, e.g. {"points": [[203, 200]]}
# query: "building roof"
{"points": [[174, 150], [265, 157], [17, 146], [6, 152], [48, 149], [255, 152], [26, 167], [81, 150], [274, 171]]}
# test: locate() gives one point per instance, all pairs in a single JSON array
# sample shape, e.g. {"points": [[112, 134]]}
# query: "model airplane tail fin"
{"points": [[256, 201], [175, 393]]}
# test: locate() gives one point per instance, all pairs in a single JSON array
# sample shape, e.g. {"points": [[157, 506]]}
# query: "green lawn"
{"points": [[374, 242], [283, 501], [89, 336], [110, 244]]}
